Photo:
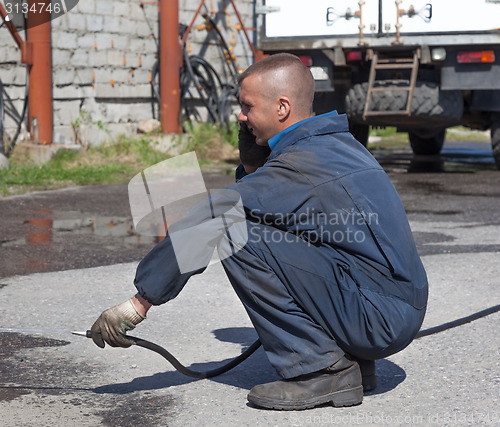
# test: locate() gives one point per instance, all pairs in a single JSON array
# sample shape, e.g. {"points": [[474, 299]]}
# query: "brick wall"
{"points": [[103, 52]]}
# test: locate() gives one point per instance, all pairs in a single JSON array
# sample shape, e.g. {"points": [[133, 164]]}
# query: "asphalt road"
{"points": [[66, 255]]}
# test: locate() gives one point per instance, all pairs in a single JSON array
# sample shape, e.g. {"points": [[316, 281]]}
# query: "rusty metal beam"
{"points": [[11, 27], [40, 73], [170, 64]]}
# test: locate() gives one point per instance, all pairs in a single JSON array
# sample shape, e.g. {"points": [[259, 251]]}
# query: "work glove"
{"points": [[113, 324], [251, 154]]}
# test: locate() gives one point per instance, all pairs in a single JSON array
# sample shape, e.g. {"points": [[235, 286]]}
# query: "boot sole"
{"points": [[349, 397]]}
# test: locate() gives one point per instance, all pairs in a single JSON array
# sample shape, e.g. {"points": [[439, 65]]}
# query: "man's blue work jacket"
{"points": [[322, 185]]}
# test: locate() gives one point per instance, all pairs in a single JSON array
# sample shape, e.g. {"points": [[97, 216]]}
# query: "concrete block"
{"points": [[115, 57], [121, 8], [60, 57], [150, 10], [86, 7], [142, 29], [148, 61], [150, 45], [120, 41], [117, 112], [122, 91], [83, 76], [65, 40], [114, 24], [137, 45], [97, 58], [12, 75], [17, 95], [63, 76], [9, 53], [141, 76], [103, 40], [105, 7], [76, 22], [103, 76], [120, 75], [132, 60], [60, 23], [94, 22], [71, 91], [86, 41], [66, 112], [80, 58]]}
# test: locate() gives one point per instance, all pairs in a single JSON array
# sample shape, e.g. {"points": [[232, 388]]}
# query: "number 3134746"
{"points": [[36, 7]]}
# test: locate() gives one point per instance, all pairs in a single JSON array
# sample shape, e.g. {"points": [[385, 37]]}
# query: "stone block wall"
{"points": [[103, 53]]}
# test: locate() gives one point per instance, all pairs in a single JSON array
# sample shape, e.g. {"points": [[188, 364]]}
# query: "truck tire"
{"points": [[429, 101], [427, 144], [495, 138]]}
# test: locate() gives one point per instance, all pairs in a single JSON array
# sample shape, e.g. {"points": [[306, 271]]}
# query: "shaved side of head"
{"points": [[284, 74]]}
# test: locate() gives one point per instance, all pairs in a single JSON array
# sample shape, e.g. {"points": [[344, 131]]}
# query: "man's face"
{"points": [[258, 109]]}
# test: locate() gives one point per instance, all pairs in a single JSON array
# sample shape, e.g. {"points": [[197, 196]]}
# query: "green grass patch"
{"points": [[461, 133], [117, 161], [388, 137]]}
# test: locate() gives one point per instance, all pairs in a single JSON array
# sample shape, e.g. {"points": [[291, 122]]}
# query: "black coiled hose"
{"points": [[250, 350]]}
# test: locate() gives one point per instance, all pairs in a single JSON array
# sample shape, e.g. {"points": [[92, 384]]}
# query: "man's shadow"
{"points": [[252, 371]]}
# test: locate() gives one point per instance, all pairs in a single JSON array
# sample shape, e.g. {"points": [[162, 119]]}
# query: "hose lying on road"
{"points": [[250, 350]]}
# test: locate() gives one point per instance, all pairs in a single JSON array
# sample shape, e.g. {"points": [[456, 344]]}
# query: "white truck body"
{"points": [[449, 19]]}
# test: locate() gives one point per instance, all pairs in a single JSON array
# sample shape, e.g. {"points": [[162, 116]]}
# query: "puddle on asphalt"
{"points": [[48, 226]]}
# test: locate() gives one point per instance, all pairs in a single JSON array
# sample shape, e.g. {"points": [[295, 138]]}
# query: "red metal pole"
{"points": [[170, 63], [40, 80]]}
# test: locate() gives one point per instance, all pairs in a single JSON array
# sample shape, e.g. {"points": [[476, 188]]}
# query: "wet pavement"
{"points": [[74, 228], [66, 255]]}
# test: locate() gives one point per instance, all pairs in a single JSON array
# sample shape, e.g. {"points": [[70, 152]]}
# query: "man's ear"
{"points": [[283, 108]]}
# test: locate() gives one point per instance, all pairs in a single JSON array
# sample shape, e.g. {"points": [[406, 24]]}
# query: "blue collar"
{"points": [[277, 138]]}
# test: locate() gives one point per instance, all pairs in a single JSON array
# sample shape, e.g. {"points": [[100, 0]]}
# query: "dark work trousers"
{"points": [[308, 305]]}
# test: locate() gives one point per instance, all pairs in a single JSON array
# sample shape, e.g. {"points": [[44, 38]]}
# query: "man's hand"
{"points": [[252, 156], [113, 324]]}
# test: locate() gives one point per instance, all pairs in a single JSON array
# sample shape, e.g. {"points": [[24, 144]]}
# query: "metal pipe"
{"points": [[40, 73], [170, 63]]}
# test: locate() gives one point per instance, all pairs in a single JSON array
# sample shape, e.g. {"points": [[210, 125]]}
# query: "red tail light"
{"points": [[482, 56], [306, 60], [354, 55]]}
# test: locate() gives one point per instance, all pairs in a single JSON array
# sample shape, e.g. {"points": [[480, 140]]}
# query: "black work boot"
{"points": [[339, 385], [368, 375]]}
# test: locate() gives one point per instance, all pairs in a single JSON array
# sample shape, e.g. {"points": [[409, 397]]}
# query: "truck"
{"points": [[418, 66]]}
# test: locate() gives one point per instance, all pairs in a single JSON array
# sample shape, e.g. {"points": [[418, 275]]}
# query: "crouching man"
{"points": [[328, 273]]}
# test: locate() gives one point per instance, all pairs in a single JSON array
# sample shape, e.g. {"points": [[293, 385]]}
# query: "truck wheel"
{"points": [[495, 138], [426, 144], [428, 101], [360, 132]]}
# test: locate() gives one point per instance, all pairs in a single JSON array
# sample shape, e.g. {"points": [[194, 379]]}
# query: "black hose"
{"points": [[458, 322], [190, 373], [250, 350]]}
